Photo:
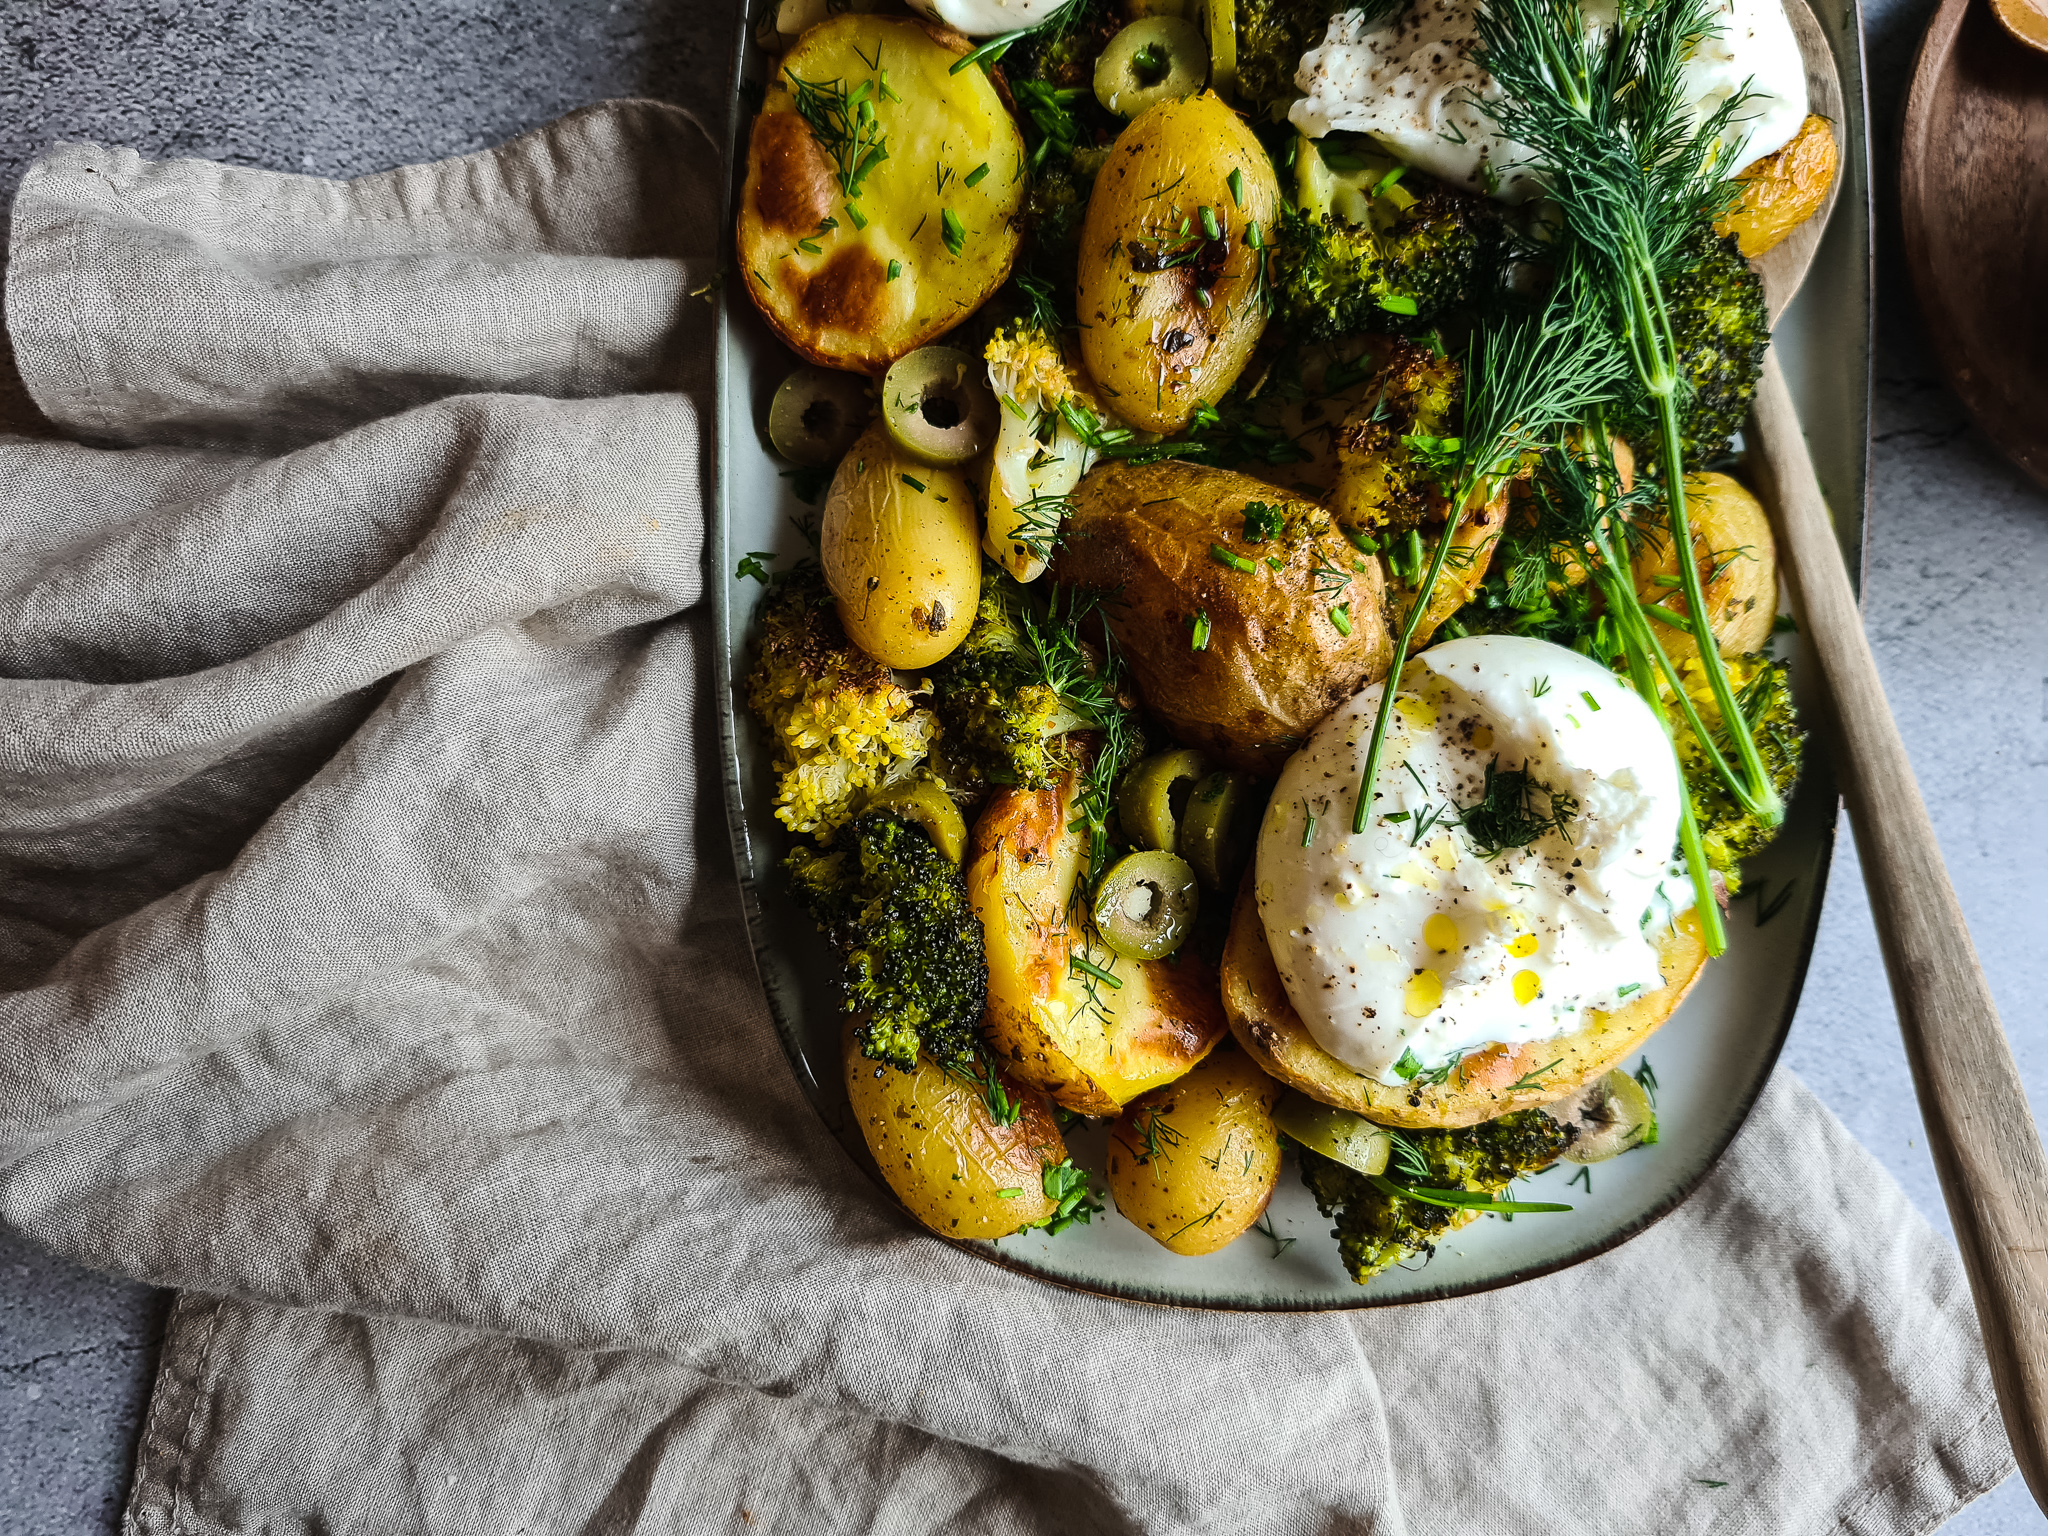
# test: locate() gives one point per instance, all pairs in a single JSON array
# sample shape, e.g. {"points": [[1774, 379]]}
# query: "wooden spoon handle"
{"points": [[1986, 1150]]}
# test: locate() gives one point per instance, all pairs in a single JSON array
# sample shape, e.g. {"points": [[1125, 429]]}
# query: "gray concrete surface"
{"points": [[1958, 544]]}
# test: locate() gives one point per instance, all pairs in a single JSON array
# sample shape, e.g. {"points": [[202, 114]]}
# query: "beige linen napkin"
{"points": [[375, 974]]}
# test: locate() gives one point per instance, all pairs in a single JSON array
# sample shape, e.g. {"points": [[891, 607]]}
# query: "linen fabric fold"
{"points": [[375, 973]]}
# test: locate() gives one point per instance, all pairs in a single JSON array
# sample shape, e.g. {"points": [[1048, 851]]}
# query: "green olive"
{"points": [[1161, 58], [1338, 1134], [1613, 1115], [816, 414], [1217, 828], [937, 405], [1146, 905], [923, 802], [1153, 794]]}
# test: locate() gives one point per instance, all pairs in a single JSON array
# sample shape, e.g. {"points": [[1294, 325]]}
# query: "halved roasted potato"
{"points": [[1172, 260], [955, 1167], [1245, 615], [857, 257], [1782, 191], [1065, 1012], [1737, 557], [1481, 1086], [1194, 1163]]}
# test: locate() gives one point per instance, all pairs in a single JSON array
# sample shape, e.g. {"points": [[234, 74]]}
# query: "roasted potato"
{"points": [[855, 279], [1738, 566], [952, 1164], [1278, 656], [1782, 191], [1093, 1044], [1168, 271], [902, 553], [1194, 1164], [1481, 1087]]}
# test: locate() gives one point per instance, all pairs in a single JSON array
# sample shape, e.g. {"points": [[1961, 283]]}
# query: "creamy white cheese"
{"points": [[986, 18], [1411, 82], [1406, 944]]}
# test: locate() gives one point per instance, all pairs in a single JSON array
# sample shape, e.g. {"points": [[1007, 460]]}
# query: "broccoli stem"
{"points": [[1647, 325], [1622, 601]]}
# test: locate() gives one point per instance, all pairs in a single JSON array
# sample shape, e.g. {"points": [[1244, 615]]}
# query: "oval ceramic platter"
{"points": [[1710, 1061]]}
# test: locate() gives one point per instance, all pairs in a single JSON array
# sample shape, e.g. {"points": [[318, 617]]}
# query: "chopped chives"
{"points": [[1230, 558], [1387, 181], [1591, 702], [859, 219], [1199, 641], [895, 270], [1209, 225], [1398, 304], [915, 485], [1235, 181], [1341, 617], [952, 231], [973, 177]]}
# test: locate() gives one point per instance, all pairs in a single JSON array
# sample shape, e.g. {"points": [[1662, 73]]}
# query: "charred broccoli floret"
{"points": [[1272, 35], [1332, 278], [1722, 327], [1003, 724], [1378, 1227], [842, 724], [1389, 449], [1763, 691], [897, 909]]}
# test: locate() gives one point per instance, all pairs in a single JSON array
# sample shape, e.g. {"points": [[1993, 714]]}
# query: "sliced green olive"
{"points": [[925, 803], [1146, 905], [1152, 796], [937, 405], [1612, 1115], [1338, 1134], [1161, 58], [816, 414], [1217, 828]]}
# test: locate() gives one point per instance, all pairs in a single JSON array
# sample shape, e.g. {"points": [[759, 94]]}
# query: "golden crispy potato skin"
{"points": [[1738, 565], [1782, 191], [944, 1155], [1091, 1045], [902, 553], [1149, 341], [831, 297], [1195, 1164], [1276, 661], [1481, 1088]]}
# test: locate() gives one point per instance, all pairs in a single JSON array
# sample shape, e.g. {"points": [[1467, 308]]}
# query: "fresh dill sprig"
{"points": [[1091, 686], [1264, 1227], [1040, 522], [1634, 174], [1528, 377], [979, 1073], [1505, 815], [1457, 1199], [844, 124]]}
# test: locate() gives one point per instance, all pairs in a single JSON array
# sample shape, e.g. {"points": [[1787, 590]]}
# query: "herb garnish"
{"points": [[843, 123], [1505, 814]]}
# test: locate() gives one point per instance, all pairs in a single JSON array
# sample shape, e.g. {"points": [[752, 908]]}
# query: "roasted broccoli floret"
{"points": [[1763, 692], [1390, 449], [896, 908], [1722, 328], [1332, 278], [1377, 1228], [842, 724], [1272, 35], [1003, 724]]}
